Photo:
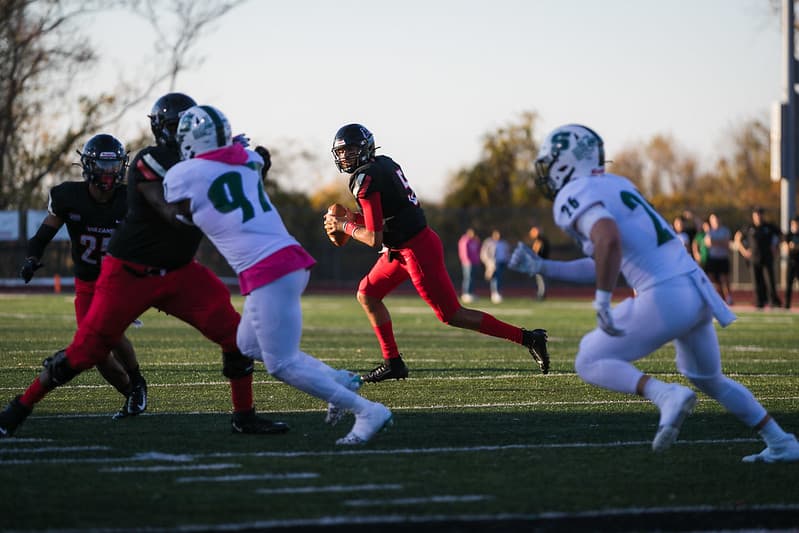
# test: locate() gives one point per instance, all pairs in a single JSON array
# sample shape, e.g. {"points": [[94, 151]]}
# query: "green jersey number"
{"points": [[227, 194], [632, 201]]}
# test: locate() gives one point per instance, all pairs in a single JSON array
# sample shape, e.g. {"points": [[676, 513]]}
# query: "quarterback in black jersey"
{"points": [[150, 263], [390, 218], [92, 209]]}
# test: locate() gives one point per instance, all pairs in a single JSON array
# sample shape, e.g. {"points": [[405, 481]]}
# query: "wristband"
{"points": [[350, 228], [602, 297]]}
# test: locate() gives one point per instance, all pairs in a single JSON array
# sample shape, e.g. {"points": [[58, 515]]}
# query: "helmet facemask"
{"points": [[569, 152], [104, 162], [353, 147], [165, 115], [202, 129]]}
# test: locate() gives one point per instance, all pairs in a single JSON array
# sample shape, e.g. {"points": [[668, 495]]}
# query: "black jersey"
{"points": [[403, 216], [90, 223], [144, 237]]}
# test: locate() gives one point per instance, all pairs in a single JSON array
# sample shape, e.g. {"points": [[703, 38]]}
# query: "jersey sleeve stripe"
{"points": [[150, 168]]}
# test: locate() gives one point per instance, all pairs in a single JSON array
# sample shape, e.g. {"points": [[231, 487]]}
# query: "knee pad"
{"points": [[58, 369], [235, 365]]}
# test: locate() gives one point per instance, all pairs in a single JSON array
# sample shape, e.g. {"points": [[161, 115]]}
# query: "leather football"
{"points": [[338, 238]]}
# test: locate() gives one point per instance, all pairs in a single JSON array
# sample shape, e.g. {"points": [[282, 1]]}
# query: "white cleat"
{"points": [[786, 451], [353, 382], [367, 424], [678, 403]]}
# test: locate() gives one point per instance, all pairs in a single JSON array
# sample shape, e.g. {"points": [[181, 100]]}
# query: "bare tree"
{"points": [[42, 48]]}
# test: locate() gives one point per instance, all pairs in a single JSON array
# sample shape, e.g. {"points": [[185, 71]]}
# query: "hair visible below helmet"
{"points": [[104, 161], [569, 152], [352, 135], [202, 128], [165, 115]]}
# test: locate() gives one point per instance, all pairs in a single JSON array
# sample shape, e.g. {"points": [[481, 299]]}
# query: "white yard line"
{"points": [[467, 498], [331, 488], [641, 513], [247, 477], [181, 468], [394, 451]]}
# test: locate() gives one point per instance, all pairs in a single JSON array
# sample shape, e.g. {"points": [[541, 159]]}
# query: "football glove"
{"points": [[604, 318], [242, 139], [525, 260], [264, 153], [30, 266]]}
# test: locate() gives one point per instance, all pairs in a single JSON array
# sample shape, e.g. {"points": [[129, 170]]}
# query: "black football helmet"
{"points": [[164, 117], [347, 139], [104, 161]]}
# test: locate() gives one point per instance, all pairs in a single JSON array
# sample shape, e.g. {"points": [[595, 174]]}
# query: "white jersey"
{"points": [[651, 252], [229, 204]]}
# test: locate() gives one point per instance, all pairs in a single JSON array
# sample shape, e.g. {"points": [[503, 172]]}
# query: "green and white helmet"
{"points": [[202, 128], [569, 152]]}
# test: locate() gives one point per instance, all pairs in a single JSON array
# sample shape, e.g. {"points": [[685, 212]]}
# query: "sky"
{"points": [[430, 78]]}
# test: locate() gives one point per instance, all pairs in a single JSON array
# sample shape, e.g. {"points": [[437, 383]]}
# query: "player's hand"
{"points": [[525, 260], [242, 139], [604, 319], [30, 266], [264, 153], [333, 223]]}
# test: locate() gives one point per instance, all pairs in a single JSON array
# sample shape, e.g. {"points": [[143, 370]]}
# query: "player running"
{"points": [[150, 263], [92, 209], [391, 219], [218, 187], [674, 300]]}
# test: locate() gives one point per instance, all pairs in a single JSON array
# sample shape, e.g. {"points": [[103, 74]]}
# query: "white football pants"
{"points": [[271, 326], [673, 310]]}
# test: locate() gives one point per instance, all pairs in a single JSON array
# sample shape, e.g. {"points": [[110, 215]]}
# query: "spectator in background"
{"points": [[792, 249], [540, 245], [717, 242], [495, 254], [698, 246], [689, 225], [469, 255], [679, 228], [757, 243]]}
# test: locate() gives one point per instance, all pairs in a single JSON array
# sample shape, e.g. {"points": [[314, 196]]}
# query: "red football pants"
{"points": [[422, 261], [191, 293]]}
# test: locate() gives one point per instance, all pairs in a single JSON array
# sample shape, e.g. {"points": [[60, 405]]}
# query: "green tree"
{"points": [[502, 176], [44, 115]]}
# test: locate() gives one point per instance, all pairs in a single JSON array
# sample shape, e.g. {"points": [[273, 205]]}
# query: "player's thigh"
{"points": [[649, 320], [84, 292], [273, 319], [198, 297], [383, 278], [425, 264]]}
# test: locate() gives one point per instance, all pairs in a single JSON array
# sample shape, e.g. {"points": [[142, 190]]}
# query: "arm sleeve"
{"points": [[577, 271], [372, 212], [38, 242]]}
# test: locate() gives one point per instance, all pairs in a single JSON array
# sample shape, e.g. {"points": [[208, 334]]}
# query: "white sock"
{"points": [[654, 389], [772, 433]]}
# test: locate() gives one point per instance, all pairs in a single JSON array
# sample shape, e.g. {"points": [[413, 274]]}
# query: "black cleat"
{"points": [[390, 369], [250, 423], [136, 401], [536, 341], [12, 416]]}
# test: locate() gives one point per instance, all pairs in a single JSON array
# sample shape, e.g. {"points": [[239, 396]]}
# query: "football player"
{"points": [[218, 186], [390, 219], [150, 263], [92, 209], [620, 232]]}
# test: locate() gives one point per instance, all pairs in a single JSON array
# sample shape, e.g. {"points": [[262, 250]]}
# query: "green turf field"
{"points": [[481, 440]]}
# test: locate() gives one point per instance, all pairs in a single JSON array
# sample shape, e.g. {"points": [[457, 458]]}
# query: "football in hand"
{"points": [[338, 238]]}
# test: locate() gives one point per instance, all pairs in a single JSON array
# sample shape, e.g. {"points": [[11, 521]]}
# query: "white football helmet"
{"points": [[202, 128], [569, 152]]}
